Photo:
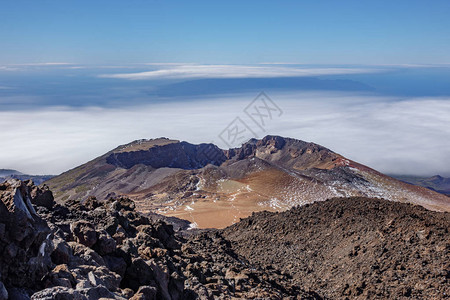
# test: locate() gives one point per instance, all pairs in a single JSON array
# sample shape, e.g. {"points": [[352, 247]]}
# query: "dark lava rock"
{"points": [[41, 196], [352, 248], [84, 233], [176, 155], [3, 292], [145, 293], [339, 249], [23, 238]]}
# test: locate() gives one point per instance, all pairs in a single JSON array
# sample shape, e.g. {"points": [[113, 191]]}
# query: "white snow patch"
{"points": [[42, 247], [199, 184], [354, 169], [193, 225]]}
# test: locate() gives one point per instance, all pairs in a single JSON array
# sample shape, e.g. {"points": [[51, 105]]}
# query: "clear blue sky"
{"points": [[328, 32]]}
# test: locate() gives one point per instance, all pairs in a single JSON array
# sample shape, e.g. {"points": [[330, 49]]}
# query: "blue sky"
{"points": [[370, 80], [325, 32]]}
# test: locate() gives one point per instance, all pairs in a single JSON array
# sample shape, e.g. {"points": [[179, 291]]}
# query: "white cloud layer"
{"points": [[409, 136], [233, 71]]}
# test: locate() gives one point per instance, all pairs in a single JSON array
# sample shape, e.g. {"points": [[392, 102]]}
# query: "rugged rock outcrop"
{"points": [[287, 153], [174, 155], [355, 248], [24, 237], [93, 250]]}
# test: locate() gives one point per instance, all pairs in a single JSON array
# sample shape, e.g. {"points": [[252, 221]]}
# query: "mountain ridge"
{"points": [[212, 187], [436, 183]]}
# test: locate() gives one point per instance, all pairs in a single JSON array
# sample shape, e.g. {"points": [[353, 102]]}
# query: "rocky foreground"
{"points": [[341, 248], [352, 247], [107, 250]]}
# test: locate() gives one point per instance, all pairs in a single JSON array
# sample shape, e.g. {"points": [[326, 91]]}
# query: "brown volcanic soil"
{"points": [[352, 247]]}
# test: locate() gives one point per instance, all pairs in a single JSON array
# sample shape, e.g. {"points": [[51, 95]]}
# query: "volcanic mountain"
{"points": [[212, 187]]}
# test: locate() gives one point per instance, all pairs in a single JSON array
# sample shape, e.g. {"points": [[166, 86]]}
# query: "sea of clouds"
{"points": [[392, 135]]}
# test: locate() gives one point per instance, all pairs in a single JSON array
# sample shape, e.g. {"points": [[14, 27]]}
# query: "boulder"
{"points": [[18, 294], [139, 273], [61, 251], [92, 203], [84, 233], [3, 292], [58, 293], [120, 203], [99, 292], [105, 244], [145, 293], [162, 278], [23, 238], [83, 255], [62, 276], [41, 196], [115, 264]]}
